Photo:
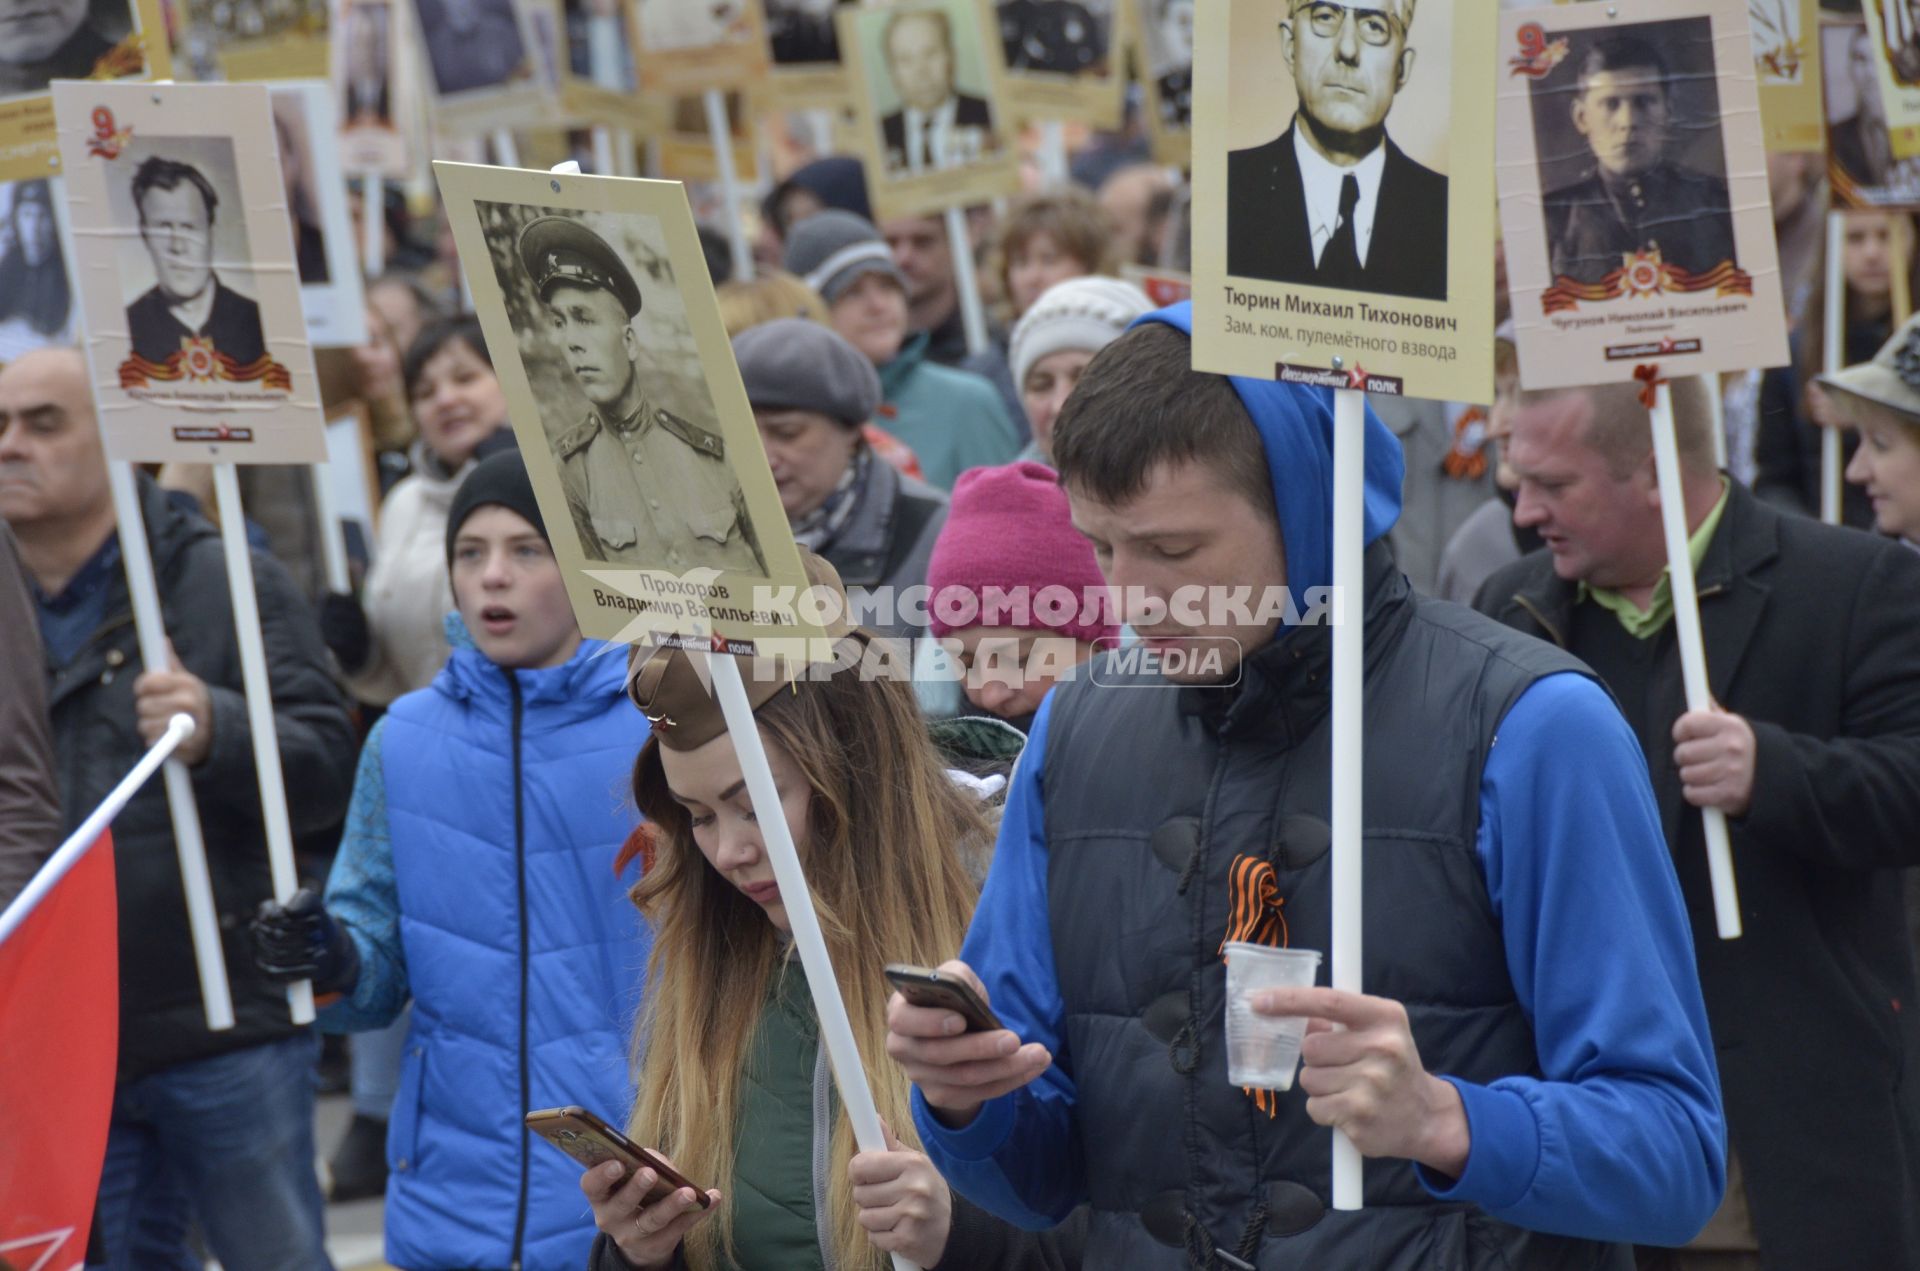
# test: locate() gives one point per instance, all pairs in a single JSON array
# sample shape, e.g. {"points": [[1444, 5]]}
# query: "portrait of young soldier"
{"points": [[1636, 195], [45, 40], [1063, 37], [177, 207], [1332, 201], [937, 126], [647, 488]]}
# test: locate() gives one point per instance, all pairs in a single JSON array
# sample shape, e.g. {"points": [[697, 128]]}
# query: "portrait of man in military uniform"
{"points": [[1062, 37], [188, 301], [1636, 193], [646, 488]]}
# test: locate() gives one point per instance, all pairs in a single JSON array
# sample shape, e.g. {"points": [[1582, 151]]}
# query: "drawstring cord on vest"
{"points": [[1254, 917]]}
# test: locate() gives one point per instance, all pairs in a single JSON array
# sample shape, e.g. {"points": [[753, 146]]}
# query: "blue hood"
{"points": [[1296, 427]]}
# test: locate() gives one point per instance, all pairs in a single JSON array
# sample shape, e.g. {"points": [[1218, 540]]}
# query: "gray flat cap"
{"points": [[797, 364]]}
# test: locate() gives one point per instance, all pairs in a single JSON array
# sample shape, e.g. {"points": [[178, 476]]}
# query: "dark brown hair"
{"points": [[1139, 405], [1070, 217]]}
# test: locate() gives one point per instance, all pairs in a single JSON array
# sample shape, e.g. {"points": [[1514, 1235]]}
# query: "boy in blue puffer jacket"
{"points": [[477, 878]]}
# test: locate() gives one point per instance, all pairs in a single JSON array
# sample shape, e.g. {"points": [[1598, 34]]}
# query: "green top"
{"points": [[774, 1226], [1643, 623]]}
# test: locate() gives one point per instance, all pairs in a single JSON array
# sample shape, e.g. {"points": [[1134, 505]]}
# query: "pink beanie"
{"points": [[1009, 556]]}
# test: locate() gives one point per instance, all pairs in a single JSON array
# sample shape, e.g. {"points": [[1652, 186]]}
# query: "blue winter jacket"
{"points": [[477, 879]]}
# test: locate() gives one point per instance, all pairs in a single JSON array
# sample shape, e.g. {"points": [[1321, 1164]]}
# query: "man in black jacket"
{"points": [[220, 1121], [1813, 752], [187, 301], [1333, 202]]}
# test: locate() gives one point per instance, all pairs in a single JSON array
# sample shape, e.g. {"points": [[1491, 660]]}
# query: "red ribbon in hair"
{"points": [[1650, 382]]}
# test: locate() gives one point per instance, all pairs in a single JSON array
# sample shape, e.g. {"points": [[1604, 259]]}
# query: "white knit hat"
{"points": [[1081, 313]]}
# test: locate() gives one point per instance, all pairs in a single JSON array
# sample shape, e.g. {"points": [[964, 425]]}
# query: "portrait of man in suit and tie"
{"points": [[938, 125], [1333, 201], [1640, 188]]}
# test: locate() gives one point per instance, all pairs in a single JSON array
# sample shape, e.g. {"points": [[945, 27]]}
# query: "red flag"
{"points": [[60, 1017]]}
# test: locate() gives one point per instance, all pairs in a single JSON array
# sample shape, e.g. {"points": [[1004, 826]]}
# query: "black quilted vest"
{"points": [[1151, 791]]}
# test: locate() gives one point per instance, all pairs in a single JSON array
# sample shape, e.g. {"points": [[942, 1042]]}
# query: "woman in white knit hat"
{"points": [[1057, 337]]}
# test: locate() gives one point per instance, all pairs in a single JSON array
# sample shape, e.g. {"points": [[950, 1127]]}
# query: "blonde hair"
{"points": [[885, 832], [774, 294]]}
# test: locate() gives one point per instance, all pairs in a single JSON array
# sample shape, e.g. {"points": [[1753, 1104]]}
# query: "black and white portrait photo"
{"points": [[1861, 168], [181, 298], [364, 65], [45, 40], [931, 117], [1632, 162], [618, 384], [1334, 201], [472, 44], [802, 32], [1058, 37], [36, 296], [1167, 46]]}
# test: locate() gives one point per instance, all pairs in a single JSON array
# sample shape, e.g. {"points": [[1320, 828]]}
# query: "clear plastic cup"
{"points": [[1264, 1050]]}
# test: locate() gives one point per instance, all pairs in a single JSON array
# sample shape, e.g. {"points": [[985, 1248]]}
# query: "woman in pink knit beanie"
{"points": [[1014, 592]]}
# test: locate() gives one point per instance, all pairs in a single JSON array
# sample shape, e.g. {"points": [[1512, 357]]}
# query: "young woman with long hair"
{"points": [[733, 1085]]}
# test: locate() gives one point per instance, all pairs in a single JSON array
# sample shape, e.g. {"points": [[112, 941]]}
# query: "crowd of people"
{"points": [[533, 877]]}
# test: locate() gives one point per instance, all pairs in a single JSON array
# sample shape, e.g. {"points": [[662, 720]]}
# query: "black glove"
{"points": [[343, 625], [300, 941]]}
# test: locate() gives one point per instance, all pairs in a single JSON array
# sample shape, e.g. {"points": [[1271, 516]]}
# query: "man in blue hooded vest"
{"points": [[1529, 1069]]}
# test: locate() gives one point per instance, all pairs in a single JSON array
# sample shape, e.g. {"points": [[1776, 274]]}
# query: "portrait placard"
{"points": [[37, 310], [365, 83], [306, 128], [683, 144], [599, 73], [1862, 169], [1633, 192], [1064, 59], [804, 42], [625, 399], [689, 48], [1787, 64], [490, 64], [934, 130], [72, 39], [1161, 36], [187, 280], [1332, 215], [255, 40], [1895, 30]]}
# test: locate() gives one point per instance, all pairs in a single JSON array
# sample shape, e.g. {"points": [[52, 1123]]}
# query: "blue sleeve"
{"points": [[364, 899], [1621, 1137], [1020, 1157]]}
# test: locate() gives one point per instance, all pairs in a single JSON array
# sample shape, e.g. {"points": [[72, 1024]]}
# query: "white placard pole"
{"points": [[1349, 654], [1834, 338], [506, 153], [836, 1030], [1053, 153], [259, 694], [203, 920], [722, 137], [973, 316], [1717, 408], [179, 728], [602, 141], [1693, 652], [373, 224]]}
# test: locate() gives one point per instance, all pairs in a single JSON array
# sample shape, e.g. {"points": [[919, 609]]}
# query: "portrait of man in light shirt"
{"points": [[937, 125], [1333, 201]]}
